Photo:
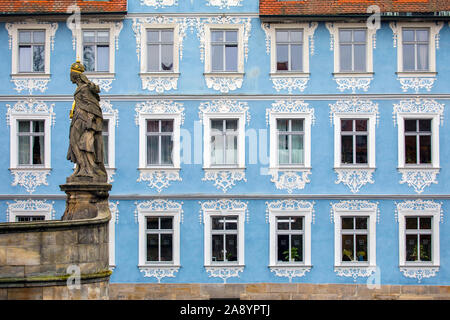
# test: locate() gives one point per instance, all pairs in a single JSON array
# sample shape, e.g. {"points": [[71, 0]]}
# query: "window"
{"points": [[352, 50], [418, 238], [96, 47], [291, 136], [105, 136], [289, 235], [354, 141], [32, 51], [159, 236], [224, 140], [415, 44], [224, 50], [31, 148], [418, 141], [159, 142], [160, 50], [224, 238], [29, 218], [29, 211], [289, 45], [354, 239]]}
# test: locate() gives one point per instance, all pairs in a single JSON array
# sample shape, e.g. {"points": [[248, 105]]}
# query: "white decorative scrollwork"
{"points": [[158, 272], [290, 179], [223, 84], [224, 106], [290, 205], [103, 83], [354, 106], [419, 273], [354, 178], [222, 4], [108, 110], [30, 107], [434, 32], [30, 179], [416, 83], [113, 208], [354, 205], [159, 107], [159, 83], [353, 83], [224, 178], [115, 28], [419, 179], [418, 105], [290, 106], [223, 205], [159, 205], [30, 84], [354, 272], [419, 205], [32, 206], [290, 272], [52, 30], [158, 179], [159, 3], [289, 83], [224, 272]]}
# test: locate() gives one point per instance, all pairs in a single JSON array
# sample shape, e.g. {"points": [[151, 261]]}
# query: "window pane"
{"points": [[218, 223], [297, 125], [282, 36], [408, 35], [103, 58], [166, 223], [411, 247], [166, 125], [359, 36], [231, 247], [296, 36], [24, 150], [103, 36], [153, 57], [347, 248], [361, 149], [38, 150], [297, 247], [283, 149], [346, 57], [425, 149], [152, 126], [231, 151], [231, 224], [152, 247], [216, 126], [347, 149], [410, 149], [297, 223], [282, 57], [231, 57], [166, 247], [361, 125], [296, 57], [361, 247], [345, 35], [283, 223], [410, 125], [105, 150], [167, 36], [422, 57], [297, 149], [152, 36], [38, 126], [361, 223], [360, 58], [283, 247], [231, 36], [38, 58], [282, 124], [217, 58], [408, 57], [425, 247], [217, 150], [24, 126], [425, 223], [347, 223], [89, 58], [39, 37], [217, 247], [89, 36], [152, 150], [346, 125], [411, 223], [166, 149], [167, 57], [424, 125], [231, 125], [24, 36], [152, 223], [217, 36], [422, 35], [24, 59]]}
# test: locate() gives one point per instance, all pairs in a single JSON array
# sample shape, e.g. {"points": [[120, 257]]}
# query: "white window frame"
{"points": [[434, 139], [307, 118], [371, 225], [17, 213], [435, 214], [29, 207], [112, 233], [142, 221], [371, 123], [207, 215], [307, 219]]}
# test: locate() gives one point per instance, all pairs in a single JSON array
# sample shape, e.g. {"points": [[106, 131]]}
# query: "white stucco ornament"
{"points": [[224, 272], [158, 272], [290, 272]]}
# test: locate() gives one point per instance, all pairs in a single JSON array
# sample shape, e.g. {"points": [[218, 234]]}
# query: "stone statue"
{"points": [[85, 138]]}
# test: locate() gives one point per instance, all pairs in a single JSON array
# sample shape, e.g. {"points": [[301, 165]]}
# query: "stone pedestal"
{"points": [[85, 200]]}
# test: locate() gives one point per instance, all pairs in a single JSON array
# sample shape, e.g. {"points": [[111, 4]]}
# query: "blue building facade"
{"points": [[241, 149]]}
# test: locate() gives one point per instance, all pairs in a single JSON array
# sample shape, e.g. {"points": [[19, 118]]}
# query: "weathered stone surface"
{"points": [[8, 239], [222, 290], [88, 236], [283, 287], [40, 270], [69, 237], [2, 256], [34, 293], [49, 238], [23, 256], [12, 271]]}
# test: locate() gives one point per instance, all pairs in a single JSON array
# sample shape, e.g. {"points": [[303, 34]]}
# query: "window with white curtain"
{"points": [[352, 47], [160, 46], [31, 51], [415, 44], [224, 141], [96, 50], [31, 145], [159, 135]]}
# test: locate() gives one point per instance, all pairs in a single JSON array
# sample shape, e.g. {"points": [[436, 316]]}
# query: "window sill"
{"points": [[419, 167], [165, 168], [290, 74], [30, 76], [419, 264], [224, 74], [353, 74], [416, 73], [223, 168], [222, 264], [102, 75], [159, 74], [290, 265], [356, 167], [157, 265], [288, 168]]}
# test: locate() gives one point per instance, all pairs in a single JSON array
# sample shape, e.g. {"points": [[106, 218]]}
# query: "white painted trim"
{"points": [[113, 208], [29, 207], [112, 115]]}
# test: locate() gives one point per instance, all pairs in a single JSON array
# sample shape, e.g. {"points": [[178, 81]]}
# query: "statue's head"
{"points": [[76, 69]]}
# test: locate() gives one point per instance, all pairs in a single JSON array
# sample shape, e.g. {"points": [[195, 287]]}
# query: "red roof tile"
{"points": [[347, 7], [60, 6]]}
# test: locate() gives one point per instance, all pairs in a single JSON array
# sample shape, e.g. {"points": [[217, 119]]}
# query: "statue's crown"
{"points": [[77, 67]]}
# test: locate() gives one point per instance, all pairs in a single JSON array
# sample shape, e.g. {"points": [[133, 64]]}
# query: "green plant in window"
{"points": [[347, 255], [361, 255], [294, 254], [423, 255]]}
